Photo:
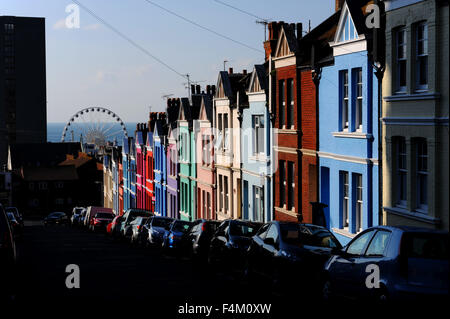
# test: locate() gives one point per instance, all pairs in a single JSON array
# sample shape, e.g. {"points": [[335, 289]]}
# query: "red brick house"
{"points": [[293, 104]]}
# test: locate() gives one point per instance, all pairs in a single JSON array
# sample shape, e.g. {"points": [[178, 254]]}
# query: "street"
{"points": [[111, 270]]}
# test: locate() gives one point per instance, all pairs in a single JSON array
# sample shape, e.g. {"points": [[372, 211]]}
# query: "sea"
{"points": [[55, 130]]}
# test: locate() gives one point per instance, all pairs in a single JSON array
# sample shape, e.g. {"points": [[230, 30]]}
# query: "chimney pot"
{"points": [[208, 89], [230, 71], [213, 90], [299, 31], [192, 88]]}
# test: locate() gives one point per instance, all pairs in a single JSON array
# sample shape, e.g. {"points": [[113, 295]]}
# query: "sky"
{"points": [[93, 66]]}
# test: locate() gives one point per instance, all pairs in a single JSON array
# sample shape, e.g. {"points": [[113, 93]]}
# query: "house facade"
{"points": [[348, 129], [141, 165], [228, 102], [173, 107], [160, 165], [256, 143], [281, 51], [415, 114], [205, 180]]}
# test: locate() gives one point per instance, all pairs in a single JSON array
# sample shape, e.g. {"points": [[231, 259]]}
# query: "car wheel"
{"points": [[382, 295]]}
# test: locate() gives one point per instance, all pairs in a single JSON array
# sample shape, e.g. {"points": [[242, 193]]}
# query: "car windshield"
{"points": [[11, 216], [161, 222], [56, 214], [134, 215], [104, 215], [296, 234], [180, 226], [426, 246], [12, 210], [243, 229]]}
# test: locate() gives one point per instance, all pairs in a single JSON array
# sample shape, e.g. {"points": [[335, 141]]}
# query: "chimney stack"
{"points": [[197, 88], [213, 90], [244, 71], [192, 89], [230, 71], [299, 31], [208, 89], [339, 4]]}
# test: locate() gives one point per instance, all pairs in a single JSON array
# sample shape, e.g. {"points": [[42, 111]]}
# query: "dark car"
{"points": [[230, 242], [101, 220], [174, 239], [56, 218], [289, 252], [128, 217], [81, 217], [16, 227], [16, 213], [199, 238], [7, 256], [136, 228], [156, 227], [410, 262]]}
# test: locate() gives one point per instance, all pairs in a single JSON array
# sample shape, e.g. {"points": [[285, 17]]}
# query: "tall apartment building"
{"points": [[23, 98], [415, 114]]}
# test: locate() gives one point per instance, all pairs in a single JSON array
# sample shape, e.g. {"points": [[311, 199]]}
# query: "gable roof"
{"points": [[356, 11], [160, 129], [206, 108], [259, 79], [287, 41]]}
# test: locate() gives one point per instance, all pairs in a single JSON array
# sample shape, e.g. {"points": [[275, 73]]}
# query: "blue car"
{"points": [[409, 262], [175, 238]]}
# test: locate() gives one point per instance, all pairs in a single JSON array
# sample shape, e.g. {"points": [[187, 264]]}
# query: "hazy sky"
{"points": [[93, 66]]}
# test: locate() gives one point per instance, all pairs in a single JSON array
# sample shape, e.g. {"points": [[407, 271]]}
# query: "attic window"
{"points": [[348, 31]]}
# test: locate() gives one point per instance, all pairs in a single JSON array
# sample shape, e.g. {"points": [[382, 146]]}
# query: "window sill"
{"points": [[416, 96], [259, 158], [345, 134], [415, 215]]}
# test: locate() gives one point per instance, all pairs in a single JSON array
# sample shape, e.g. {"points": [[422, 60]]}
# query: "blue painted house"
{"points": [[256, 146], [160, 165], [127, 141], [348, 131]]}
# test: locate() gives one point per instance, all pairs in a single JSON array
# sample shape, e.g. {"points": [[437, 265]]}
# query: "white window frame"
{"points": [[359, 206], [345, 121], [345, 199], [421, 173], [359, 100]]}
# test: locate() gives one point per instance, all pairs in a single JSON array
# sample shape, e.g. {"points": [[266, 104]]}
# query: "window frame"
{"points": [[359, 100], [344, 101], [418, 56], [399, 61], [421, 155]]}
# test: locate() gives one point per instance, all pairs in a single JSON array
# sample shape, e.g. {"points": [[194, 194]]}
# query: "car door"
{"points": [[374, 255], [256, 249], [342, 268], [269, 250], [219, 242]]}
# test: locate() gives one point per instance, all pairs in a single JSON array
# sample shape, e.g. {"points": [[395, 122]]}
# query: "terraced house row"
{"points": [[344, 125]]}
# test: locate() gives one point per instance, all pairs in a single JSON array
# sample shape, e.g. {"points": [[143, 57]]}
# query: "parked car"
{"points": [[136, 228], [92, 211], [16, 213], [128, 217], [101, 220], [290, 253], [7, 256], [82, 217], [113, 227], [56, 218], [76, 212], [174, 240], [230, 242], [155, 228], [16, 227], [412, 263], [199, 238]]}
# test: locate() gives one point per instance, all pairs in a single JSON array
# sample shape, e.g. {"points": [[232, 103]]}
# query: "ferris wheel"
{"points": [[95, 125]]}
